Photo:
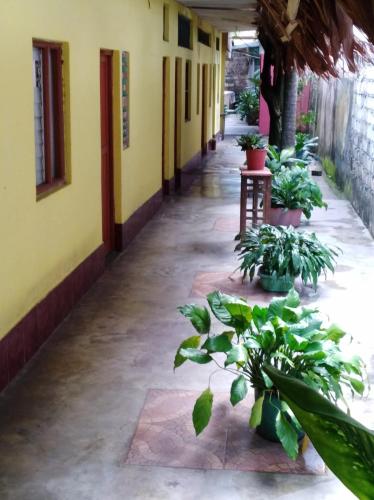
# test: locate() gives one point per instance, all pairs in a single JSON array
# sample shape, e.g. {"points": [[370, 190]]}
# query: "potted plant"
{"points": [[283, 335], [255, 150], [293, 192], [282, 254], [248, 106]]}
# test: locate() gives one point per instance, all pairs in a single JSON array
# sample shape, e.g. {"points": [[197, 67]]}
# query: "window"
{"points": [[187, 92], [184, 32], [217, 43], [166, 23], [48, 115], [198, 89], [203, 37]]}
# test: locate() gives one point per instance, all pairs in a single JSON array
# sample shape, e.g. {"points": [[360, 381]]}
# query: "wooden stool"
{"points": [[257, 183]]}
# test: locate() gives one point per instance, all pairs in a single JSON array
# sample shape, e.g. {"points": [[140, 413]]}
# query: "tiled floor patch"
{"points": [[165, 437]]}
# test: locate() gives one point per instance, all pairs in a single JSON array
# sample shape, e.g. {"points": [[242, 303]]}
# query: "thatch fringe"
{"points": [[321, 34]]}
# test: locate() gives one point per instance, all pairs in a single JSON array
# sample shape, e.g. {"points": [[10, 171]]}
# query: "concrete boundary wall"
{"points": [[345, 127]]}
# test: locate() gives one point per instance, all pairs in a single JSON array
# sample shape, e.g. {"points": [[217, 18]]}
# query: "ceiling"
{"points": [[225, 15]]}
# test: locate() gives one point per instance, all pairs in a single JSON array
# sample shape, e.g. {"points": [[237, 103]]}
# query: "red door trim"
{"points": [[107, 175]]}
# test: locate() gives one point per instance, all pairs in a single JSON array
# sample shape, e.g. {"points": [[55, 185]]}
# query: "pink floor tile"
{"points": [[165, 437]]}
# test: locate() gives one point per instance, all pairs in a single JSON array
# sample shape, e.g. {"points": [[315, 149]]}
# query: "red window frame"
{"points": [[58, 179]]}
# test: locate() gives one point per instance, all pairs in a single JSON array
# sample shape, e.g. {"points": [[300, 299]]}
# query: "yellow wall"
{"points": [[43, 241]]}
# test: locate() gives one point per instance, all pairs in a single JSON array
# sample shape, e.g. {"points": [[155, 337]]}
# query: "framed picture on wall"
{"points": [[125, 99]]}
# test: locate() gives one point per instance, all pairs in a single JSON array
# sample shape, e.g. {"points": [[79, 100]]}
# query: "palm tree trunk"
{"points": [[272, 90], [289, 109]]}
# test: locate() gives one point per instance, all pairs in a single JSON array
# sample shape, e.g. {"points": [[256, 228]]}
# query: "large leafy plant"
{"points": [[284, 335], [284, 251], [249, 101], [346, 446], [277, 159], [248, 106], [293, 188]]}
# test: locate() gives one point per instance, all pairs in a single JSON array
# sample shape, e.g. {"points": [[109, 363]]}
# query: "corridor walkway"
{"points": [[67, 422]]}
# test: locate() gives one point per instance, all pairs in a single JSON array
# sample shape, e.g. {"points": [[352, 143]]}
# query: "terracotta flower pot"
{"points": [[282, 217], [256, 159]]}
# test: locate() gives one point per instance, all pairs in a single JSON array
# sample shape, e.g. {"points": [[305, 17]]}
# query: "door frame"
{"points": [[165, 125], [107, 183], [177, 121]]}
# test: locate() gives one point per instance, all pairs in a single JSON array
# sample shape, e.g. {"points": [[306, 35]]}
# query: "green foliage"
{"points": [[247, 142], [346, 446], [283, 251], [294, 188], [239, 390], [277, 159], [330, 168], [199, 317], [256, 80], [307, 118], [284, 335], [305, 147], [248, 106], [249, 101], [202, 411], [287, 435], [256, 413], [190, 343]]}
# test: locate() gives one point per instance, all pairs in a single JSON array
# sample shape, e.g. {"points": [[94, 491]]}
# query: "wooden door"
{"points": [[106, 107], [204, 111]]}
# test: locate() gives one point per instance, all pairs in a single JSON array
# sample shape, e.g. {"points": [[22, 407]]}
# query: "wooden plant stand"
{"points": [[257, 184]]}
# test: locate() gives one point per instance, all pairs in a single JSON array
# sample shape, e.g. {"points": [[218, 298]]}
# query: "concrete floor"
{"points": [[67, 422], [235, 126]]}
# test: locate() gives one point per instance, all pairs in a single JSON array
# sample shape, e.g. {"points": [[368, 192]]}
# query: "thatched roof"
{"points": [[315, 34]]}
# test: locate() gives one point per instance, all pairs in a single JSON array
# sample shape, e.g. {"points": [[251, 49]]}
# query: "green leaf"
{"points": [[276, 307], [199, 317], [202, 411], [238, 354], [345, 445], [290, 315], [256, 413], [218, 343], [295, 342], [268, 382], [231, 311], [287, 435], [239, 390], [267, 337], [259, 315], [335, 333], [191, 342], [196, 356], [293, 298], [252, 343], [357, 385]]}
